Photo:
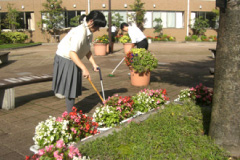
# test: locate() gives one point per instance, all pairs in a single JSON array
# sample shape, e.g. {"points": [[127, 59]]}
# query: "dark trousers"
{"points": [[143, 44]]}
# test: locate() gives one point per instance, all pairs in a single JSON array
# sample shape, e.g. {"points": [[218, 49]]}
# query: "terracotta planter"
{"points": [[127, 47], [142, 79], [100, 49]]}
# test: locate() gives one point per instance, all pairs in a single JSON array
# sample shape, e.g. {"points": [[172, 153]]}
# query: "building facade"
{"points": [[176, 15]]}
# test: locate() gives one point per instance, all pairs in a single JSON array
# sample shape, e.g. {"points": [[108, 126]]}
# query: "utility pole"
{"points": [[110, 26]]}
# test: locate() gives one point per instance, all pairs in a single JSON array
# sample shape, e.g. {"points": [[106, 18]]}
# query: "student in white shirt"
{"points": [[138, 38], [113, 32], [68, 67]]}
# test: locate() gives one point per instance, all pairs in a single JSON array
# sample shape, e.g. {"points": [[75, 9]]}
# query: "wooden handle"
{"points": [[95, 89]]}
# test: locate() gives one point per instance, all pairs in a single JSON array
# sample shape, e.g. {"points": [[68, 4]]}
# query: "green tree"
{"points": [[225, 119], [158, 26], [138, 8], [199, 26], [54, 16], [74, 22], [11, 17], [117, 19]]}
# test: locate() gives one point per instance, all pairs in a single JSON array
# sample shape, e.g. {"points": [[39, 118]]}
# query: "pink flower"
{"points": [[77, 120], [64, 114], [60, 143], [41, 152], [59, 119], [55, 154], [119, 108], [49, 148], [158, 101], [74, 131]]}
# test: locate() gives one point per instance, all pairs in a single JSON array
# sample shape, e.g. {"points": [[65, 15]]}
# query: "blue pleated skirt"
{"points": [[67, 78]]}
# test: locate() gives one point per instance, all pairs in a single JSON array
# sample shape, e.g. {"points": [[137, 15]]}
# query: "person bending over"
{"points": [[68, 66], [137, 37]]}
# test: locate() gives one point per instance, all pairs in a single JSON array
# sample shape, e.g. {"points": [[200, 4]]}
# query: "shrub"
{"points": [[13, 37], [194, 37]]}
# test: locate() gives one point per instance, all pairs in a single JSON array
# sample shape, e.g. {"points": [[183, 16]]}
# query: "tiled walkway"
{"points": [[181, 65]]}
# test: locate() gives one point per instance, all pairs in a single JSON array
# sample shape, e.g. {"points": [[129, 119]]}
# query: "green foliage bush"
{"points": [[176, 132], [13, 37]]}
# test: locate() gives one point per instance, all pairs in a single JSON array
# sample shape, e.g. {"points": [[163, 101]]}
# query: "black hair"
{"points": [[98, 18], [123, 25]]}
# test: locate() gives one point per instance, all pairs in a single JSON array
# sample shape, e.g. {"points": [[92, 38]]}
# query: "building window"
{"points": [[169, 19], [71, 14], [25, 20], [123, 15], [206, 15]]}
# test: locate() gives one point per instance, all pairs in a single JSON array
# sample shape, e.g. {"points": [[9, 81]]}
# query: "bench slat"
{"points": [[24, 80]]}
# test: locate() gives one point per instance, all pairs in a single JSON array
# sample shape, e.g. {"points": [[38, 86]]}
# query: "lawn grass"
{"points": [[17, 45], [177, 132]]}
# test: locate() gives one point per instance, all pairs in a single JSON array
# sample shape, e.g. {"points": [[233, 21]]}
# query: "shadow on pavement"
{"points": [[89, 102], [8, 63], [184, 73]]}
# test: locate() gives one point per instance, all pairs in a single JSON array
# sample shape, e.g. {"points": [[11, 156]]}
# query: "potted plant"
{"points": [[127, 45], [100, 45], [140, 62]]}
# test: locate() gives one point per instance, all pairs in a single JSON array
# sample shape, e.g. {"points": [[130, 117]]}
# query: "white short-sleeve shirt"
{"points": [[135, 34], [77, 40]]}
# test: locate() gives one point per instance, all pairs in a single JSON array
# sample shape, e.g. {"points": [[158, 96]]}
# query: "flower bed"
{"points": [[117, 109], [58, 151], [70, 127], [203, 38], [200, 95], [54, 136]]}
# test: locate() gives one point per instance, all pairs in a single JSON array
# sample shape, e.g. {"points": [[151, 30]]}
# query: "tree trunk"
{"points": [[225, 120]]}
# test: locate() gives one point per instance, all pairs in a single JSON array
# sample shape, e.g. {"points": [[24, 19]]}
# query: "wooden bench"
{"points": [[7, 92], [4, 57]]}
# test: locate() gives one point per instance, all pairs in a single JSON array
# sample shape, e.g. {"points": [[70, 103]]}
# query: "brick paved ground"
{"points": [[181, 65]]}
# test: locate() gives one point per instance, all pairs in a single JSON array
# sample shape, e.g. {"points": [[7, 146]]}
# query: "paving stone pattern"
{"points": [[181, 65]]}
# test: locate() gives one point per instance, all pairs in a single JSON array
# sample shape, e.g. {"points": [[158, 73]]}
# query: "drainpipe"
{"points": [[188, 4], [89, 3]]}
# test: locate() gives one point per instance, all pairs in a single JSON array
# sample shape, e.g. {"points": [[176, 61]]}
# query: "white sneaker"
{"points": [[58, 95]]}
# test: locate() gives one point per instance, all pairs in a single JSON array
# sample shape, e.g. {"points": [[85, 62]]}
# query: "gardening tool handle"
{"points": [[95, 89], [118, 65], [100, 73]]}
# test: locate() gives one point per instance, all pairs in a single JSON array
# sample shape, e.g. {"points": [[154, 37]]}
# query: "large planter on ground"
{"points": [[100, 45], [140, 62], [140, 79], [100, 49], [127, 47]]}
